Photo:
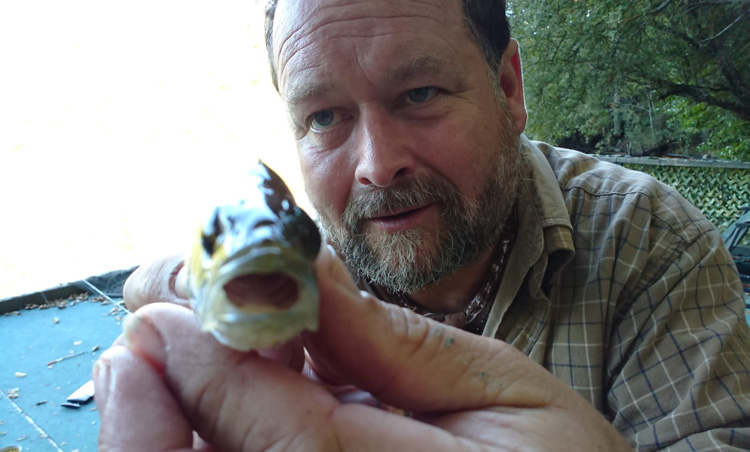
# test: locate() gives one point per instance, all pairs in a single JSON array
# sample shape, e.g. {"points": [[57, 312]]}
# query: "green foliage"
{"points": [[711, 131], [639, 76]]}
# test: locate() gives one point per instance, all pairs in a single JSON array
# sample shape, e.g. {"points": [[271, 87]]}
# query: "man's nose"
{"points": [[384, 150]]}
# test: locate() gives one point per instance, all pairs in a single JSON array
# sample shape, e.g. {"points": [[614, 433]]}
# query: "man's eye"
{"points": [[419, 95], [324, 119]]}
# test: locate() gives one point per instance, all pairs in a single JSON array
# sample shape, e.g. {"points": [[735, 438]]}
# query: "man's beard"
{"points": [[409, 260]]}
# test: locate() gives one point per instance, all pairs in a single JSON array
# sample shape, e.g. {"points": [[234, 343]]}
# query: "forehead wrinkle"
{"points": [[301, 33]]}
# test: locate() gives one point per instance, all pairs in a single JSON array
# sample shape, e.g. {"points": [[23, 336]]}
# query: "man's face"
{"points": [[408, 150]]}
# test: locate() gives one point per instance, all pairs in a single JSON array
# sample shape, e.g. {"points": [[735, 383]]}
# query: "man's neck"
{"points": [[454, 292]]}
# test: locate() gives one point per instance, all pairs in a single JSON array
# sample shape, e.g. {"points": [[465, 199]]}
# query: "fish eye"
{"points": [[210, 232], [422, 94], [209, 242]]}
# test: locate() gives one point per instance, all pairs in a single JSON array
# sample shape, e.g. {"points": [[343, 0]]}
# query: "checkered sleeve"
{"points": [[679, 369]]}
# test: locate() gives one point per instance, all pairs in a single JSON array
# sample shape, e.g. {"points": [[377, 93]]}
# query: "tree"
{"points": [[639, 75]]}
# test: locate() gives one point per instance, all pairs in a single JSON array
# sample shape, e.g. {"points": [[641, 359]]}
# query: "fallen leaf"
{"points": [[20, 374], [95, 348], [41, 402], [77, 342], [55, 320], [13, 393], [22, 438]]}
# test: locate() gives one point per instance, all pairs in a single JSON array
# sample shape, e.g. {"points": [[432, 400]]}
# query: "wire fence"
{"points": [[719, 189]]}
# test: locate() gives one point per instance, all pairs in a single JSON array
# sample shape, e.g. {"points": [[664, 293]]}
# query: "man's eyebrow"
{"points": [[301, 92], [418, 66], [426, 64]]}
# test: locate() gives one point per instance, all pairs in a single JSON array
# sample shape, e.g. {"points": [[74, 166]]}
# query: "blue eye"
{"points": [[423, 94], [323, 119]]}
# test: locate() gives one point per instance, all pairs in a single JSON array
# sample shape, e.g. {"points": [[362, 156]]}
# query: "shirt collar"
{"points": [[544, 244]]}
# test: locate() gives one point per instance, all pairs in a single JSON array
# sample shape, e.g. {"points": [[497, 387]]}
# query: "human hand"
{"points": [[465, 392], [158, 281]]}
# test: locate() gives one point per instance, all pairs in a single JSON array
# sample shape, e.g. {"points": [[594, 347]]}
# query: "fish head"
{"points": [[250, 277]]}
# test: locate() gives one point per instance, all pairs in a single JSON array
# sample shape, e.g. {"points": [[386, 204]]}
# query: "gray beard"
{"points": [[410, 260]]}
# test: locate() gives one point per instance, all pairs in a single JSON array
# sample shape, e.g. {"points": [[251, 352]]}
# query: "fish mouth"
{"points": [[262, 279], [276, 290]]}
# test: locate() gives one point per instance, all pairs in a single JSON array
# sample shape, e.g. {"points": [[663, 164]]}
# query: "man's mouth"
{"points": [[399, 219]]}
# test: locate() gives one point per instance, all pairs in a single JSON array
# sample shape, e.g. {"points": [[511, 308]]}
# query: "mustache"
{"points": [[376, 201]]}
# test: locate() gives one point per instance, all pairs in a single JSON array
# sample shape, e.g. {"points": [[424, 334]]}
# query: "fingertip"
{"points": [[145, 339], [331, 269], [120, 340], [325, 257], [130, 393], [154, 282], [100, 373]]}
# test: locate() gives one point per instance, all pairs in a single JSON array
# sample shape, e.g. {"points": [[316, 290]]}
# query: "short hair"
{"points": [[486, 22]]}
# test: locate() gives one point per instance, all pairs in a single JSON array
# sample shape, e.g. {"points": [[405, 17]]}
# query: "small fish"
{"points": [[250, 277]]}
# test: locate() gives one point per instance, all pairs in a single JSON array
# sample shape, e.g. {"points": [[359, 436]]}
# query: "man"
{"points": [[583, 306]]}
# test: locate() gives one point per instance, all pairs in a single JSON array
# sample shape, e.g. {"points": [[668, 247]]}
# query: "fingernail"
{"points": [[145, 340], [100, 375], [180, 282]]}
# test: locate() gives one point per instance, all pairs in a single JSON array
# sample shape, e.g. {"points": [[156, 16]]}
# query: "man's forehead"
{"points": [[305, 7], [299, 27]]}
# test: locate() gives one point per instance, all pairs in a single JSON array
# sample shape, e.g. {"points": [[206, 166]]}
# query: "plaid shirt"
{"points": [[624, 291]]}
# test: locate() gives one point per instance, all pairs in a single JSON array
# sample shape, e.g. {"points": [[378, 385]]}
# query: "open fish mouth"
{"points": [[275, 290], [263, 279], [260, 298]]}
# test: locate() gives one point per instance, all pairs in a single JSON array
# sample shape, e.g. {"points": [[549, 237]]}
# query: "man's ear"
{"points": [[511, 82]]}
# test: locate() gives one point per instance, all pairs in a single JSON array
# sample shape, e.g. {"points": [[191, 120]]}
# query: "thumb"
{"points": [[155, 282], [411, 362]]}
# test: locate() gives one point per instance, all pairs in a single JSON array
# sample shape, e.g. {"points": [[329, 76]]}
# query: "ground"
{"points": [[47, 354]]}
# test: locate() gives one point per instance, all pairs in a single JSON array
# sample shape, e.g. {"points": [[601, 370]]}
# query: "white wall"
{"points": [[117, 119]]}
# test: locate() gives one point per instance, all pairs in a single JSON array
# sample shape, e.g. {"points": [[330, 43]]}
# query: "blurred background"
{"points": [[117, 122]]}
